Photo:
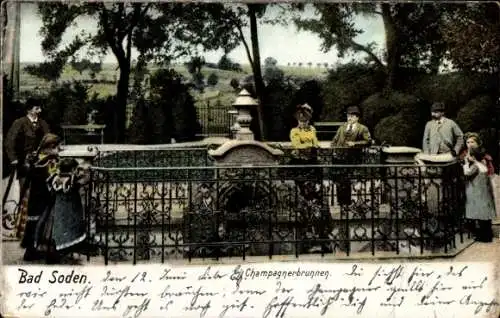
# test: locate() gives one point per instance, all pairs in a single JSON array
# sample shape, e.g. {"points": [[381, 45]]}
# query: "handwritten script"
{"points": [[271, 290]]}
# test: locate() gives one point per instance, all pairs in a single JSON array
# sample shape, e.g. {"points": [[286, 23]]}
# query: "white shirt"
{"points": [[351, 127], [33, 120]]}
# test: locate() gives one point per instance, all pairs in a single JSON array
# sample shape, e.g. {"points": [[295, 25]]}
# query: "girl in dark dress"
{"points": [[43, 165], [61, 229]]}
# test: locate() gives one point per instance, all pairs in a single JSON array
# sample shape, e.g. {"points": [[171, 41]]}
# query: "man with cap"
{"points": [[442, 135], [24, 137], [351, 138]]}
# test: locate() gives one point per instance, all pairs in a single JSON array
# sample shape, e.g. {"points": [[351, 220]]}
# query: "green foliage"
{"points": [[272, 73], [225, 63], [279, 98], [399, 130], [212, 79], [476, 113], [170, 113], [67, 104], [378, 106], [349, 85], [472, 37], [453, 89], [49, 71], [160, 32]]}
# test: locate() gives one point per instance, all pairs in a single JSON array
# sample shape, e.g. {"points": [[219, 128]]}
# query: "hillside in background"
{"points": [[105, 81]]}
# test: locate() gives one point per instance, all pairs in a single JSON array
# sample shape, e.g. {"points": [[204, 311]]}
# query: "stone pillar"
{"points": [[244, 104]]}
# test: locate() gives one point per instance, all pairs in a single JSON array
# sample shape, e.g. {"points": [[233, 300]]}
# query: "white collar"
{"points": [[33, 120]]}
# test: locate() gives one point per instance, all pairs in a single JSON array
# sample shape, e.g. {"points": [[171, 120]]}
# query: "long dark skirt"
{"points": [[62, 226], [38, 201]]}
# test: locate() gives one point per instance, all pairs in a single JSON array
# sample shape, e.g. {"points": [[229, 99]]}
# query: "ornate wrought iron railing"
{"points": [[177, 157], [198, 156], [161, 213]]}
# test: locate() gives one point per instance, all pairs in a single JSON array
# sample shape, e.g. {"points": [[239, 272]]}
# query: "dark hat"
{"points": [[353, 110], [32, 102], [437, 107], [304, 110], [67, 165]]}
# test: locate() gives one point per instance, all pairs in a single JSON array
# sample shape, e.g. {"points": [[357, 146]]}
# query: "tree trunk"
{"points": [[121, 101], [393, 48], [256, 68]]}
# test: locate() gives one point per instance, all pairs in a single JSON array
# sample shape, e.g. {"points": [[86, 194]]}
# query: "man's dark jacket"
{"points": [[23, 138]]}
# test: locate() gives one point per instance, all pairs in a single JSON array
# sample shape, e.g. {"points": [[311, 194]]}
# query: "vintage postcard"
{"points": [[250, 159]]}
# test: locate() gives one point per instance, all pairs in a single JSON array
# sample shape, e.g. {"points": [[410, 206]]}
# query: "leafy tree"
{"points": [[194, 67], [235, 84], [271, 71], [49, 71], [212, 79], [95, 68], [472, 36], [238, 18], [159, 31], [85, 64], [225, 63], [406, 44]]}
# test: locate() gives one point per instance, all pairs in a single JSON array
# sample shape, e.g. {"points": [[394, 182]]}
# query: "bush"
{"points": [[67, 104], [279, 97], [225, 63], [212, 79], [453, 89], [399, 130], [169, 114], [376, 107], [476, 114], [349, 85]]}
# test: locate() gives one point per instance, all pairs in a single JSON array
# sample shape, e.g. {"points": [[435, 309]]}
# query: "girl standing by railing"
{"points": [[480, 204]]}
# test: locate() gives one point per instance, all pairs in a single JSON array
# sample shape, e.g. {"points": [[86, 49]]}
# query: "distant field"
{"points": [[222, 95]]}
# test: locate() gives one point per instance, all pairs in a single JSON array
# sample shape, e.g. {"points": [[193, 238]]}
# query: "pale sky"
{"points": [[285, 44]]}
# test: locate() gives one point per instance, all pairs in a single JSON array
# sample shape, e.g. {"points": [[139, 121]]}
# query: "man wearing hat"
{"points": [[352, 133], [442, 135], [24, 137], [351, 138]]}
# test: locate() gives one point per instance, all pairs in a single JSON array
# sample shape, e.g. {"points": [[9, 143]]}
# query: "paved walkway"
{"points": [[477, 252]]}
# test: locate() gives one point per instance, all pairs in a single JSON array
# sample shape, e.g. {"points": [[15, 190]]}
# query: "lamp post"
{"points": [[244, 104]]}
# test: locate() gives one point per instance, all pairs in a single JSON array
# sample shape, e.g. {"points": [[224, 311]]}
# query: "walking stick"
{"points": [[7, 190]]}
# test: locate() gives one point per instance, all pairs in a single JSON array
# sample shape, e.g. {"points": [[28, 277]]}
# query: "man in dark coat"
{"points": [[24, 137], [348, 144], [352, 134]]}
